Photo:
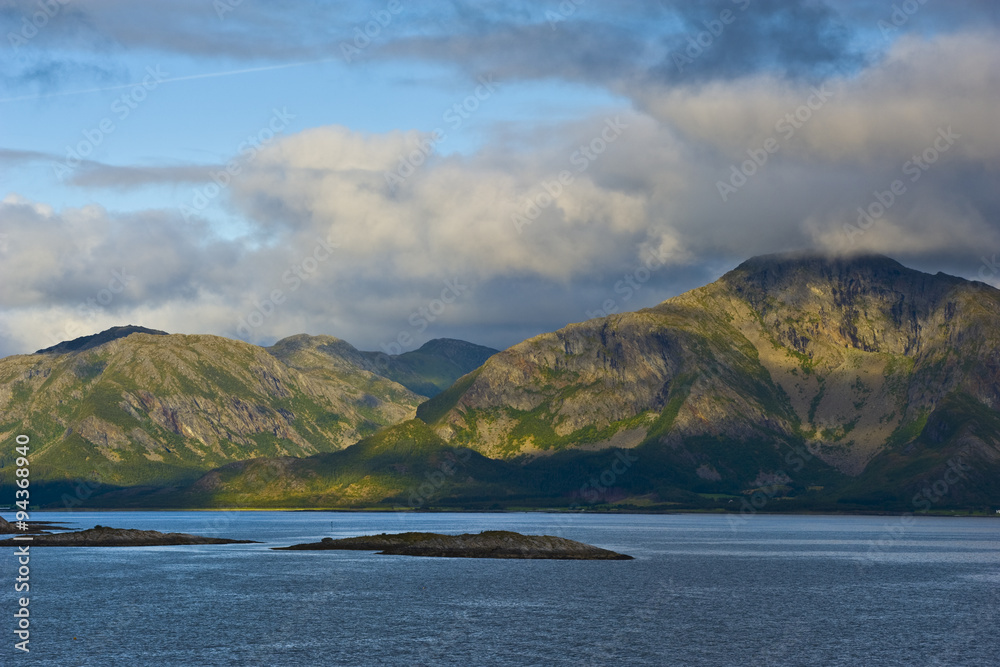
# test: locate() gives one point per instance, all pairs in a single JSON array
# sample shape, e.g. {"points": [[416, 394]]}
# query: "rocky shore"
{"points": [[103, 536], [7, 528], [487, 544]]}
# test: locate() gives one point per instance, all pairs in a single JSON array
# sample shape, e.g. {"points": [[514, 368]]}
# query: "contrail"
{"points": [[176, 78]]}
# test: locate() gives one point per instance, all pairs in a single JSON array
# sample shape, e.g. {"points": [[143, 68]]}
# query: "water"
{"points": [[703, 590]]}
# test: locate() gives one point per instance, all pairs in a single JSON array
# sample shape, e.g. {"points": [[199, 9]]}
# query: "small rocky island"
{"points": [[33, 527], [487, 544], [103, 536]]}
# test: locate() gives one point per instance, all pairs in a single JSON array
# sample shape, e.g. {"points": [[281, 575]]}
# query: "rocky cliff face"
{"points": [[846, 356]]}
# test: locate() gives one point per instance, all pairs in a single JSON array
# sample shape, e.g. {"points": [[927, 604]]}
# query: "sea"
{"points": [[702, 590]]}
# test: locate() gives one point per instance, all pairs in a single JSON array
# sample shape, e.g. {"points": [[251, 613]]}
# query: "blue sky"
{"points": [[651, 109], [185, 121]]}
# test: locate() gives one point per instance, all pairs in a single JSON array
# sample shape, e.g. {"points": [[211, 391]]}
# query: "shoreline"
{"points": [[382, 510]]}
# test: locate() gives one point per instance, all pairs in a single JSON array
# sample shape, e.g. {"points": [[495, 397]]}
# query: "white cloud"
{"points": [[650, 188], [888, 111], [453, 213]]}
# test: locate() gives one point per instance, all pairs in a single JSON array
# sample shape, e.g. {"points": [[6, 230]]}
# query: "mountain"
{"points": [[134, 406], [797, 380], [794, 382], [847, 354], [428, 370], [126, 407], [434, 366], [87, 342]]}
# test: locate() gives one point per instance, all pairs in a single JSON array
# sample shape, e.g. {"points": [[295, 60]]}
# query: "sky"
{"points": [[394, 171]]}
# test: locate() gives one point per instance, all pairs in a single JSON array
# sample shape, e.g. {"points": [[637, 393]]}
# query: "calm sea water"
{"points": [[703, 590]]}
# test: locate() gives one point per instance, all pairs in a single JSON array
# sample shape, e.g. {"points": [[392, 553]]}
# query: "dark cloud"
{"points": [[10, 157], [734, 38], [578, 51], [647, 42], [47, 75], [927, 18], [97, 175], [93, 174], [604, 43]]}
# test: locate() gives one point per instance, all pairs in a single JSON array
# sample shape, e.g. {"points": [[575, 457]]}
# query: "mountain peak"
{"points": [[87, 342], [798, 277], [452, 346], [818, 264]]}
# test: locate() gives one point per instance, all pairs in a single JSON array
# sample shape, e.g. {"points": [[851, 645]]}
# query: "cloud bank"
{"points": [[795, 125]]}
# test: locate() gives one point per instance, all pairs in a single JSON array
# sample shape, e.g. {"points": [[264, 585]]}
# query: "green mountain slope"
{"points": [[152, 409], [401, 465], [846, 355], [434, 366]]}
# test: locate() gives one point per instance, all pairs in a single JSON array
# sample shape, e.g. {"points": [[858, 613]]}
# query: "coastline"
{"points": [[609, 511]]}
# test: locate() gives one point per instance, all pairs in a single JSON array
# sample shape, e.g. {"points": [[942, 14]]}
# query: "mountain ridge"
{"points": [[133, 406], [811, 382], [847, 357], [84, 343]]}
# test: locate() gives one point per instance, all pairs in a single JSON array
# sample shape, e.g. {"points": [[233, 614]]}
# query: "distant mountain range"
{"points": [[427, 371], [794, 382]]}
